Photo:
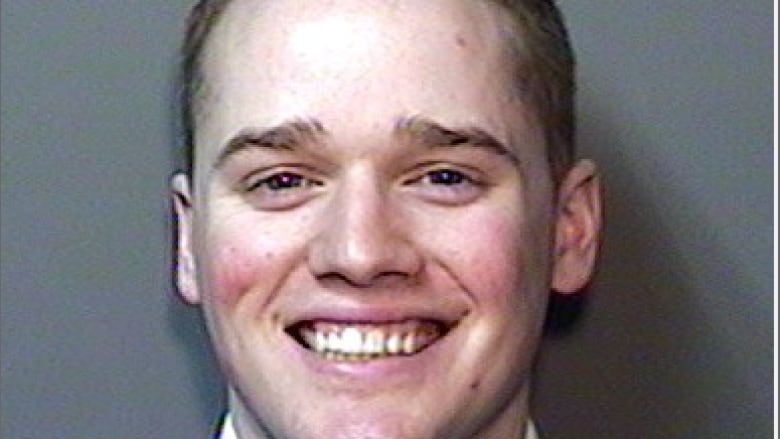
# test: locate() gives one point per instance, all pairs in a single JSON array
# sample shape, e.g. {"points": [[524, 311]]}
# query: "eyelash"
{"points": [[280, 190], [286, 180], [447, 186], [282, 181], [447, 178], [283, 190]]}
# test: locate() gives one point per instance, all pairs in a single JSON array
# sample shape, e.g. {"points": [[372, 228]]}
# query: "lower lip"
{"points": [[388, 368]]}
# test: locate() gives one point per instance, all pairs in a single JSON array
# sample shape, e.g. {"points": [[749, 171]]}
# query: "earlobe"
{"points": [[577, 228], [186, 278]]}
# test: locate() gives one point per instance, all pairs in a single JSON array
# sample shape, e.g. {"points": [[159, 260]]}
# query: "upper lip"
{"points": [[371, 314]]}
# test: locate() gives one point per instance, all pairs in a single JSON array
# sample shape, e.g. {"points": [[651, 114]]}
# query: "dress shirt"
{"points": [[229, 431]]}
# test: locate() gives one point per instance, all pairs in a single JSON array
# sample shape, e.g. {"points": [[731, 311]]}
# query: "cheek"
{"points": [[494, 256], [245, 255], [498, 256], [236, 263], [232, 272]]}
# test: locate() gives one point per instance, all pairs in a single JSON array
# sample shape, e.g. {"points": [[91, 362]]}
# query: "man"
{"points": [[381, 197]]}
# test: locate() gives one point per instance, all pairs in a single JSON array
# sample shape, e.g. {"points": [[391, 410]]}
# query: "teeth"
{"points": [[393, 345], [408, 345], [374, 343], [334, 342], [351, 341], [360, 342], [321, 341]]}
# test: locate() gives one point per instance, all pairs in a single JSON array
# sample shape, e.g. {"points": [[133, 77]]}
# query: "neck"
{"points": [[511, 422]]}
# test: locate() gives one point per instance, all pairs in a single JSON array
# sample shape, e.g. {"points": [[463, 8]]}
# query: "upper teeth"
{"points": [[370, 340]]}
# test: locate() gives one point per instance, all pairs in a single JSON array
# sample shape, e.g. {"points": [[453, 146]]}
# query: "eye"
{"points": [[280, 190], [282, 181], [446, 186], [446, 177]]}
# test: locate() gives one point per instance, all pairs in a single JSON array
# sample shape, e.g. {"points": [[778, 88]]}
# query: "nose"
{"points": [[362, 240]]}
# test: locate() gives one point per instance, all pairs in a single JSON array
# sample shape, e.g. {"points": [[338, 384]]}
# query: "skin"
{"points": [[366, 217]]}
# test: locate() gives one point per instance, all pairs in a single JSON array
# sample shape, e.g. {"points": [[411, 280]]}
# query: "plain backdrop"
{"points": [[675, 341]]}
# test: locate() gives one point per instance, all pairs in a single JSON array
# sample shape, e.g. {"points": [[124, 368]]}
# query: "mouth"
{"points": [[361, 341]]}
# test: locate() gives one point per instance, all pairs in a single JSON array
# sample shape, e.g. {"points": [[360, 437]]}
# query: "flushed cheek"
{"points": [[489, 255], [231, 273], [508, 285], [238, 263]]}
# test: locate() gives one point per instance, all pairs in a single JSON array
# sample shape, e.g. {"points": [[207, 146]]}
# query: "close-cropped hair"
{"points": [[539, 44]]}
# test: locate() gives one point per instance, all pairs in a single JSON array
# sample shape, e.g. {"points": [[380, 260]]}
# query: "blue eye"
{"points": [[447, 186], [280, 190], [282, 181], [447, 177]]}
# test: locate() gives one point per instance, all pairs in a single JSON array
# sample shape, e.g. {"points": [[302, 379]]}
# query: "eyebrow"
{"points": [[433, 134], [291, 134], [285, 136]]}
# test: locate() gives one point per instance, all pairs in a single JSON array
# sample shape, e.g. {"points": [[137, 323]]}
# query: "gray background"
{"points": [[675, 342]]}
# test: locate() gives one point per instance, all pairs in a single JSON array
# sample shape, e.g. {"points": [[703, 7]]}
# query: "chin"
{"points": [[379, 424]]}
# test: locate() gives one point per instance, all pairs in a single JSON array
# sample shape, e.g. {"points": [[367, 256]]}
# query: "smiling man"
{"points": [[381, 196]]}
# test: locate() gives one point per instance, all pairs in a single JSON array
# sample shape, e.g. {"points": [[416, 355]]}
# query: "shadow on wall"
{"points": [[187, 324], [642, 360]]}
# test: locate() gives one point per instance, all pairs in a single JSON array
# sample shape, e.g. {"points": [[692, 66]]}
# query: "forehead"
{"points": [[356, 65]]}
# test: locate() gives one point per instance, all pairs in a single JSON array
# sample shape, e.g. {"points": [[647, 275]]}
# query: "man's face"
{"points": [[370, 230]]}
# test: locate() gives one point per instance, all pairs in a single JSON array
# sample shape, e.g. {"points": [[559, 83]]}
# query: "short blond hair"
{"points": [[545, 72]]}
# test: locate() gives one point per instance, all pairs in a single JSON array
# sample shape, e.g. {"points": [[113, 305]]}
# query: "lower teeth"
{"points": [[352, 358]]}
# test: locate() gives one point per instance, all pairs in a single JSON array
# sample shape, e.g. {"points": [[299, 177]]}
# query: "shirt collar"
{"points": [[228, 431]]}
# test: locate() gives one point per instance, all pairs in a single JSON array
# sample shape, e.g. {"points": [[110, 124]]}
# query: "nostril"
{"points": [[340, 277], [381, 281]]}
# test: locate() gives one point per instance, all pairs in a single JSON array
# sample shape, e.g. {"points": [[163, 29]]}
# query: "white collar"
{"points": [[530, 430], [229, 430]]}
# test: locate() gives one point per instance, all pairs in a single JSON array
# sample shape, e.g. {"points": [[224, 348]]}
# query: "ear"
{"points": [[186, 276], [577, 228]]}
